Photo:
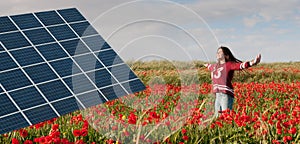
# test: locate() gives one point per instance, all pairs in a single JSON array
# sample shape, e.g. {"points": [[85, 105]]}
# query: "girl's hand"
{"points": [[256, 60], [206, 65]]}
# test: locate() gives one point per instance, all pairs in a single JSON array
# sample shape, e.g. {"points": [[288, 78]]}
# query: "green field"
{"points": [[266, 110]]}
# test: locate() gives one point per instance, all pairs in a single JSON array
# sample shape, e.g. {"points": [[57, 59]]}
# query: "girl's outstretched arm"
{"points": [[246, 64]]}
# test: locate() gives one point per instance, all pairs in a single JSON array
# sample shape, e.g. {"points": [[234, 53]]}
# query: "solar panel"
{"points": [[53, 63]]}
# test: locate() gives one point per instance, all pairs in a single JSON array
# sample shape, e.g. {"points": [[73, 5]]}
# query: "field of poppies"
{"points": [[177, 107]]}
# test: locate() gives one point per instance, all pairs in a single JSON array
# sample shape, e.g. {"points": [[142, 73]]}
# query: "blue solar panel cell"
{"points": [[6, 25], [122, 73], [39, 36], [40, 73], [27, 56], [88, 62], [66, 106], [65, 67], [101, 78], [26, 21], [12, 122], [105, 46], [40, 114], [83, 29], [14, 79], [96, 43], [49, 18], [91, 98], [113, 92], [6, 62], [71, 15], [1, 48], [6, 105], [52, 51], [134, 86], [62, 32], [13, 40], [79, 84], [75, 47], [109, 58], [28, 97], [54, 90]]}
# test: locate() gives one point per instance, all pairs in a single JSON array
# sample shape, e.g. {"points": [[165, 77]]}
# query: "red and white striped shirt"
{"points": [[222, 75]]}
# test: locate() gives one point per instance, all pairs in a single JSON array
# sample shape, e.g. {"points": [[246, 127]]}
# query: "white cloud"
{"points": [[252, 21], [229, 9]]}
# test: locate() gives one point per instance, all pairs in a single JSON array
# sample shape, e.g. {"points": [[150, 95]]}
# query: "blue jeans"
{"points": [[223, 101]]}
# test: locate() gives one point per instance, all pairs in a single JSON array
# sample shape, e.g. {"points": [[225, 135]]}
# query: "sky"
{"points": [[186, 30]]}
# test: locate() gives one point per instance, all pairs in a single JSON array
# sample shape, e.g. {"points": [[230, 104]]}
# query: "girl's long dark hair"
{"points": [[231, 58], [228, 53]]}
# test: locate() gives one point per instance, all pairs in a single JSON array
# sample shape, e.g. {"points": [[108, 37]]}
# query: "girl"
{"points": [[222, 74]]}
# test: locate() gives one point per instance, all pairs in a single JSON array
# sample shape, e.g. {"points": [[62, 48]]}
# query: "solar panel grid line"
{"points": [[19, 88], [2, 91], [33, 28], [15, 49], [118, 64], [9, 32], [42, 44], [7, 115], [65, 40], [77, 63], [16, 105], [63, 58], [33, 107], [88, 36], [134, 79], [9, 70], [24, 110], [44, 104], [44, 82], [75, 22], [98, 60], [98, 51], [38, 27], [28, 77], [80, 55], [52, 67], [53, 25], [115, 84]]}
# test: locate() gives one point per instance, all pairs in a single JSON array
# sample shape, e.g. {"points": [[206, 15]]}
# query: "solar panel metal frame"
{"points": [[44, 75]]}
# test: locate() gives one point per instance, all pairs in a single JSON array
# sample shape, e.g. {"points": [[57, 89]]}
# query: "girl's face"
{"points": [[220, 55]]}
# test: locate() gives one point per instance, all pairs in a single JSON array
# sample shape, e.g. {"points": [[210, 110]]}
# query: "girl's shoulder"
{"points": [[232, 63]]}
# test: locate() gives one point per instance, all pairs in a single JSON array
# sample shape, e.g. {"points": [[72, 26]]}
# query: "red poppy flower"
{"points": [[28, 142], [185, 137], [15, 141], [76, 133], [23, 133]]}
